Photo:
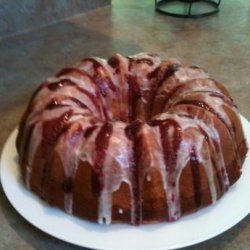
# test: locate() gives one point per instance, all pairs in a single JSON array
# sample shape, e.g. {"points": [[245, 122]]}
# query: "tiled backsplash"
{"points": [[20, 16]]}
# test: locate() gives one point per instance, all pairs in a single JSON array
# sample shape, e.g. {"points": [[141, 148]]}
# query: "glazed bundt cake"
{"points": [[131, 140]]}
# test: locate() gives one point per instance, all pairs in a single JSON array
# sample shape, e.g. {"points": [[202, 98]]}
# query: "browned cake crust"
{"points": [[131, 140]]}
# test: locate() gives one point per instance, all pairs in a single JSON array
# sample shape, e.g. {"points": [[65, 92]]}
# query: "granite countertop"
{"points": [[220, 44]]}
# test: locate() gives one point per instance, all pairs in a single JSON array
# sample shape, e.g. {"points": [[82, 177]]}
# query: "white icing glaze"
{"points": [[35, 141], [120, 80], [185, 74], [116, 169], [68, 91], [68, 149], [140, 71], [86, 66], [188, 87], [118, 159], [87, 150], [46, 115], [192, 136], [148, 177], [218, 105]]}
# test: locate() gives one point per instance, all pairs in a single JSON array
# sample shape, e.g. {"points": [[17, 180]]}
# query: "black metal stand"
{"points": [[164, 6]]}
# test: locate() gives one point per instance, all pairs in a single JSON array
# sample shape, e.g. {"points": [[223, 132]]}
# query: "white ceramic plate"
{"points": [[191, 229]]}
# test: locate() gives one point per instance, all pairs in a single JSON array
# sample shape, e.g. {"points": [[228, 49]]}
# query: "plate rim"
{"points": [[11, 139]]}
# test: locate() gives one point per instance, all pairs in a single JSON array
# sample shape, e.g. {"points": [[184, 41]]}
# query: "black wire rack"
{"points": [[187, 8]]}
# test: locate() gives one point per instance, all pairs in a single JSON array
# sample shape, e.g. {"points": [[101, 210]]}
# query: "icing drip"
{"points": [[101, 75], [87, 82], [176, 79], [214, 103], [207, 162], [213, 139], [148, 151], [101, 146], [140, 93], [189, 147], [132, 132], [115, 170], [97, 68], [51, 131], [34, 141], [194, 162], [33, 136], [170, 132], [66, 95], [175, 91], [70, 141], [120, 65]]}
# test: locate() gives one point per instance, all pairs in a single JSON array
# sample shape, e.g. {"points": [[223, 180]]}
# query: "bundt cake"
{"points": [[131, 140]]}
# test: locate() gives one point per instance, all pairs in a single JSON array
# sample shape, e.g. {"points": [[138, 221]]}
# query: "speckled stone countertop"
{"points": [[220, 44]]}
